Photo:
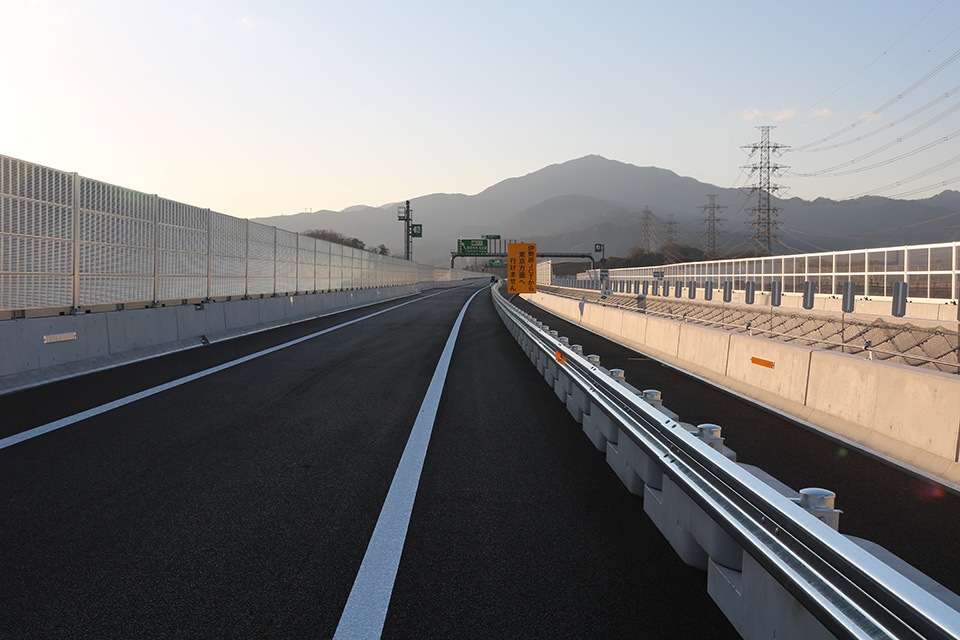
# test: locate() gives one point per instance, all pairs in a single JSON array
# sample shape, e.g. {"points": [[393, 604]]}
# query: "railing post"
{"points": [[156, 248], [246, 261], [75, 284], [209, 251]]}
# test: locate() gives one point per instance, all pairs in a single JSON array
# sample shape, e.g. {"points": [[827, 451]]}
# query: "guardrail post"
{"points": [[710, 434], [653, 398], [820, 503]]}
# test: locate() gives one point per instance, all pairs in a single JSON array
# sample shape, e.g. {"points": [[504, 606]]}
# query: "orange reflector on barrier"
{"points": [[562, 359], [763, 363]]}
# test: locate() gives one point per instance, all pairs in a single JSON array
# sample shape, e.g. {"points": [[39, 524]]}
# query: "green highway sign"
{"points": [[416, 231], [491, 237], [496, 263], [597, 248], [472, 247]]}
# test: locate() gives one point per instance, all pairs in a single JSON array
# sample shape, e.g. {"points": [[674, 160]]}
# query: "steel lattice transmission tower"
{"points": [[710, 218], [672, 229], [646, 230], [764, 221]]}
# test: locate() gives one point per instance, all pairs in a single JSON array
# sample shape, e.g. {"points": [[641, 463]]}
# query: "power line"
{"points": [[929, 145], [890, 125], [940, 67], [916, 176], [874, 61]]}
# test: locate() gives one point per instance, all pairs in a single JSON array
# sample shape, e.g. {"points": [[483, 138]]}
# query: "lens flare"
{"points": [[925, 491]]}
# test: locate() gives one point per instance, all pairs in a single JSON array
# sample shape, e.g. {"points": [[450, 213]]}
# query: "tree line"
{"points": [[338, 238]]}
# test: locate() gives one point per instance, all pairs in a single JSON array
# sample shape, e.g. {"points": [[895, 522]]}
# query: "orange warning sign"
{"points": [[522, 267]]}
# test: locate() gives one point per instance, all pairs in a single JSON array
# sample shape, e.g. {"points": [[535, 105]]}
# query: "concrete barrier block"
{"points": [[562, 385], [271, 310], [241, 313], [139, 328], [633, 328], [17, 350], [662, 335], [193, 322], [718, 544], [675, 525], [592, 431], [91, 339], [833, 304], [577, 403], [724, 587], [923, 310], [769, 611], [704, 347], [947, 313], [775, 367], [622, 467], [294, 307], [872, 307], [916, 407], [612, 322]]}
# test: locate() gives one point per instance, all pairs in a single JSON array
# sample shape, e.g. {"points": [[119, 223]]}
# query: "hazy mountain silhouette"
{"points": [[572, 205]]}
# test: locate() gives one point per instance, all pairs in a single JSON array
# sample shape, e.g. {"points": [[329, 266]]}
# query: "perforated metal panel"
{"points": [[36, 233], [69, 241], [116, 248]]}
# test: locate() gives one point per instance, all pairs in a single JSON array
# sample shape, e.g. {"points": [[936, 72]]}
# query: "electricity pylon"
{"points": [[764, 220]]}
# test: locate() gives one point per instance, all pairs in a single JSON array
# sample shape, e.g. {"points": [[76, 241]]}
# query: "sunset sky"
{"points": [[264, 108]]}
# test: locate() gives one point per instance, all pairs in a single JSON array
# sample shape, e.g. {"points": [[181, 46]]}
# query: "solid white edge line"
{"points": [[89, 413], [366, 609]]}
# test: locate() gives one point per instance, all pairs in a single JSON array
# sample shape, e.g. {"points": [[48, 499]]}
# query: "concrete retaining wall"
{"points": [[38, 350], [903, 413]]}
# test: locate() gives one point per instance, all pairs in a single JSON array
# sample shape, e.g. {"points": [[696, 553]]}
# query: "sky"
{"points": [[259, 108]]}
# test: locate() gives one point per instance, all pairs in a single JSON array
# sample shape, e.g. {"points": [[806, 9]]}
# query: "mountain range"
{"points": [[571, 206]]}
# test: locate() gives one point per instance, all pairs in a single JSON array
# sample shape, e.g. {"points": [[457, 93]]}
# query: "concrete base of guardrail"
{"points": [[903, 414], [38, 350]]}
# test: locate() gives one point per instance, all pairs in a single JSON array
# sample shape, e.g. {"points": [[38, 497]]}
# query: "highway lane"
{"points": [[241, 504], [898, 511]]}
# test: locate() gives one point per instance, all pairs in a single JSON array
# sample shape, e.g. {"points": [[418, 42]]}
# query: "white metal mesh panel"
{"points": [[287, 244], [336, 266], [261, 250], [228, 251], [137, 247], [36, 232], [116, 244], [306, 265], [182, 242], [323, 265]]}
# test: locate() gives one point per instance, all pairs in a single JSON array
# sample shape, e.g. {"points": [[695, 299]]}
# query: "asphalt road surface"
{"points": [[242, 503]]}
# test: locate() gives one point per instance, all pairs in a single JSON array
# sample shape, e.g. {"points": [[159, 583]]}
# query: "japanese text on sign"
{"points": [[522, 267]]}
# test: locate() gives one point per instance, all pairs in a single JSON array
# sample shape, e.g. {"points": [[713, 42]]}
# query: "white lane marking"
{"points": [[366, 608], [89, 413]]}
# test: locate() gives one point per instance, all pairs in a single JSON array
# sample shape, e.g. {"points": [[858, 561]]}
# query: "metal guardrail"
{"points": [[850, 592]]}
